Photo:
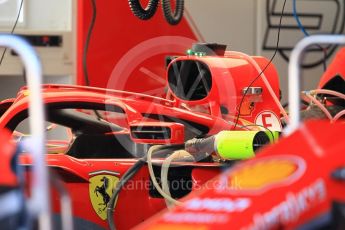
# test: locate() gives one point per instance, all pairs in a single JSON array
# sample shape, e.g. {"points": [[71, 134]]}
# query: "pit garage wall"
{"points": [[243, 26], [40, 17], [240, 24], [126, 53]]}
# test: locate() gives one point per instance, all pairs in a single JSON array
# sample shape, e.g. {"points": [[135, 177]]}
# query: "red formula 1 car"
{"points": [[97, 154], [297, 183], [104, 132]]}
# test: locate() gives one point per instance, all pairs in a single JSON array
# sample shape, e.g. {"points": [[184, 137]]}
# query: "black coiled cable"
{"points": [[143, 13], [125, 178], [129, 175], [173, 18]]}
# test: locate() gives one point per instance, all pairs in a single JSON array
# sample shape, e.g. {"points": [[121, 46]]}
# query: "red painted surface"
{"points": [[7, 151], [76, 172], [133, 104], [126, 53], [289, 202], [116, 32], [134, 205], [230, 75], [175, 136], [336, 67]]}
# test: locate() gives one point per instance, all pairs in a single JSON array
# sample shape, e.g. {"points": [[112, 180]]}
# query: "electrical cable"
{"points": [[246, 127], [140, 12], [320, 106], [327, 91], [252, 125], [338, 115], [192, 146], [164, 177], [13, 28], [310, 95], [128, 175], [173, 18], [154, 180], [182, 155], [306, 34], [264, 79], [86, 49], [299, 23], [264, 69], [124, 179], [87, 42]]}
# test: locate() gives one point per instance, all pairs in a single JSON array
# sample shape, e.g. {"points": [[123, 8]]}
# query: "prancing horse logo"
{"points": [[101, 188]]}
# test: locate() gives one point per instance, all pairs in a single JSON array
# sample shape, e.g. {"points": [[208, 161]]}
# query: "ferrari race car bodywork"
{"points": [[99, 151], [297, 183], [107, 131]]}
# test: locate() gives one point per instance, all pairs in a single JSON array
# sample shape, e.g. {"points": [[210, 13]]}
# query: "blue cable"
{"points": [[306, 34], [300, 26]]}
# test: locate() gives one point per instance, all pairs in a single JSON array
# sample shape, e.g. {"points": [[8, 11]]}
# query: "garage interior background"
{"points": [[242, 25]]}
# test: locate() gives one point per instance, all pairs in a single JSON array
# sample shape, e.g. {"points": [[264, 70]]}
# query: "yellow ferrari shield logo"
{"points": [[101, 186]]}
